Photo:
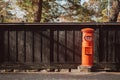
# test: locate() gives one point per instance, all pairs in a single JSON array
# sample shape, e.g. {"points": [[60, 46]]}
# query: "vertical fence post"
{"points": [[51, 45]]}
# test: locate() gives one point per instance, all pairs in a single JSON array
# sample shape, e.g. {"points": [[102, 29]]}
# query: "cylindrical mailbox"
{"points": [[87, 46]]}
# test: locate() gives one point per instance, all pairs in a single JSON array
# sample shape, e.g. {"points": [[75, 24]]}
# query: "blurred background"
{"points": [[59, 11]]}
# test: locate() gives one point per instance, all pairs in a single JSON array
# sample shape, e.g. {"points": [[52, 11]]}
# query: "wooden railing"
{"points": [[56, 45]]}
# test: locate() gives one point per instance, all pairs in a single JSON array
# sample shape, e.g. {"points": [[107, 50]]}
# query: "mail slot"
{"points": [[88, 50], [87, 46]]}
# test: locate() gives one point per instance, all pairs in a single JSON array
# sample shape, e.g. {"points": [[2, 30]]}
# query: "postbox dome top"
{"points": [[87, 30]]}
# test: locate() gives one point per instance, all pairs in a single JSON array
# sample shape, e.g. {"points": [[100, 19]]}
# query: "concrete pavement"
{"points": [[61, 76]]}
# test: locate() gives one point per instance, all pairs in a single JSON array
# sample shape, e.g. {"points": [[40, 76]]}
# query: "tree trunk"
{"points": [[1, 19], [115, 11], [39, 12]]}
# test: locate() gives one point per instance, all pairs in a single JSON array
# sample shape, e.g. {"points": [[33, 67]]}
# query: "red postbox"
{"points": [[87, 47]]}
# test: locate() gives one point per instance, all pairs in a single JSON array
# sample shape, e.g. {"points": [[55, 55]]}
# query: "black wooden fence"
{"points": [[57, 45]]}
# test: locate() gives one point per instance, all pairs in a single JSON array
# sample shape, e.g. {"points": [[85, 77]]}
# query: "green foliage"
{"points": [[52, 10], [4, 11], [30, 7]]}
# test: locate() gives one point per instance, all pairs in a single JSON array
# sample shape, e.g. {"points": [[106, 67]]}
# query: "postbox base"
{"points": [[82, 68]]}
